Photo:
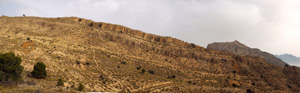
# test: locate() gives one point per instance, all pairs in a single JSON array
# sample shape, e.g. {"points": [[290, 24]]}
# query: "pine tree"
{"points": [[39, 70]]}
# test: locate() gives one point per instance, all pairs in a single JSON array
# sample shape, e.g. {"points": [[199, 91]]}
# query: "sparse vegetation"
{"points": [[87, 63], [100, 25], [10, 67], [151, 71], [39, 70], [60, 82], [189, 82], [91, 24], [72, 86], [143, 71], [249, 91], [77, 62], [138, 68], [234, 85], [123, 62], [80, 87], [172, 76], [102, 77], [193, 45]]}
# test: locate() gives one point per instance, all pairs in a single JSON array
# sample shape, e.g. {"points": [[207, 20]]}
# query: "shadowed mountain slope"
{"points": [[241, 49], [114, 58]]}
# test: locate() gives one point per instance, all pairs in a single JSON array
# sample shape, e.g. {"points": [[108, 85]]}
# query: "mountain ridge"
{"points": [[106, 58], [241, 49]]}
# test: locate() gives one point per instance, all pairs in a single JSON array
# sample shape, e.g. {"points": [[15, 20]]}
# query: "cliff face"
{"points": [[241, 49], [106, 57]]}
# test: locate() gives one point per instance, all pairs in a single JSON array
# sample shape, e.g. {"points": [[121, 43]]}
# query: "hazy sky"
{"points": [[270, 25]]}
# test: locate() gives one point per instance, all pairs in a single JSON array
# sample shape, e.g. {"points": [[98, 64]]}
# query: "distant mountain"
{"points": [[290, 59], [241, 49]]}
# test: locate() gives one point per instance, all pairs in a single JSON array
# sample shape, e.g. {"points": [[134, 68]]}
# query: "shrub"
{"points": [[39, 70], [190, 82], [87, 63], [91, 24], [143, 71], [249, 91], [234, 85], [102, 77], [60, 82], [123, 62], [79, 19], [138, 68], [193, 45], [286, 65], [80, 87], [100, 25], [77, 62], [173, 76], [151, 71], [10, 67]]}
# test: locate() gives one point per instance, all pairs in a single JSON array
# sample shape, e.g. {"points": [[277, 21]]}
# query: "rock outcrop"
{"points": [[241, 49]]}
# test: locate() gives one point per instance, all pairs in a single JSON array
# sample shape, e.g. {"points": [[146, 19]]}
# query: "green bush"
{"points": [[10, 67], [39, 70], [80, 87], [60, 82], [143, 71]]}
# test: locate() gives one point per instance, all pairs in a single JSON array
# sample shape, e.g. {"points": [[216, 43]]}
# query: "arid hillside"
{"points": [[241, 49], [112, 58]]}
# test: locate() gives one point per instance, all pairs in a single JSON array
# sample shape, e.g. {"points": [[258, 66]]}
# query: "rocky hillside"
{"points": [[241, 49], [108, 57], [290, 59]]}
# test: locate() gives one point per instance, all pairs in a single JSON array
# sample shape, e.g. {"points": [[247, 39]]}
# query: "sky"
{"points": [[270, 25]]}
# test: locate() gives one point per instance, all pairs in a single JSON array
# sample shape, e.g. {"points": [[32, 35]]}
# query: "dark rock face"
{"points": [[241, 49]]}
